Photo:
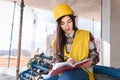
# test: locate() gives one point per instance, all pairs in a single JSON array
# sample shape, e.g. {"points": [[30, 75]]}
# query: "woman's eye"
{"points": [[69, 21], [62, 23]]}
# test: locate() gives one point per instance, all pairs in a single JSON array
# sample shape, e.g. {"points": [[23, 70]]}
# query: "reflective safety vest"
{"points": [[80, 49]]}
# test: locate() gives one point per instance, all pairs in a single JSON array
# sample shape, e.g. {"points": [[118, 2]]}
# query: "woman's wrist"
{"points": [[92, 61]]}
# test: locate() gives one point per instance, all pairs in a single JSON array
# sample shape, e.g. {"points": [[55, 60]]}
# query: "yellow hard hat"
{"points": [[62, 10]]}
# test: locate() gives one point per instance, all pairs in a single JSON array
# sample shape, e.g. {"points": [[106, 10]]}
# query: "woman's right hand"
{"points": [[71, 60]]}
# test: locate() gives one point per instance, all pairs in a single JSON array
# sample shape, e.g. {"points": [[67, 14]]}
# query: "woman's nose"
{"points": [[66, 25]]}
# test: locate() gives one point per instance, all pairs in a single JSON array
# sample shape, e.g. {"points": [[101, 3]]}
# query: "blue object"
{"points": [[37, 66], [24, 76], [55, 77], [74, 74], [31, 72], [110, 71]]}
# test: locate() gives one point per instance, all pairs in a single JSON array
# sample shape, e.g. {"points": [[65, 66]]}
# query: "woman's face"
{"points": [[67, 24]]}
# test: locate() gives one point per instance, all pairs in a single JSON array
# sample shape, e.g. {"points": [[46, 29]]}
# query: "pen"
{"points": [[63, 56]]}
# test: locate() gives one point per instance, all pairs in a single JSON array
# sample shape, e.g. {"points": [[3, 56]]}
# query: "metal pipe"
{"points": [[11, 34], [20, 38]]}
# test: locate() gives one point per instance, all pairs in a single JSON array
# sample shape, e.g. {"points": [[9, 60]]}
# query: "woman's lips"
{"points": [[67, 29]]}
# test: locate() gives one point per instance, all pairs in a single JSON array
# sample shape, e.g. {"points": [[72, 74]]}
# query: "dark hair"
{"points": [[60, 37]]}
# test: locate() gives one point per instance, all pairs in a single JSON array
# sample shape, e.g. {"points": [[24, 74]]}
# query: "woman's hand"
{"points": [[71, 60], [88, 64]]}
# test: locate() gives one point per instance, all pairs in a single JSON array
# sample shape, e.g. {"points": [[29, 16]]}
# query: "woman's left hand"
{"points": [[88, 64]]}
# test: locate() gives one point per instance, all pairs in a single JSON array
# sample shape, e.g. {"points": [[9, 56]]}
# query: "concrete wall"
{"points": [[110, 32], [115, 32], [105, 32]]}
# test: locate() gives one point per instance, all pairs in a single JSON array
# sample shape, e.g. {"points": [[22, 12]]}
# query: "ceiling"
{"points": [[90, 9]]}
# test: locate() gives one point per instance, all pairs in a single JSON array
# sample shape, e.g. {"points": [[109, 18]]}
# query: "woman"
{"points": [[76, 44]]}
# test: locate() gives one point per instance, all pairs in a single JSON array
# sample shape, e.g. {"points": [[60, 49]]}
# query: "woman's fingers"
{"points": [[88, 64], [71, 60]]}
